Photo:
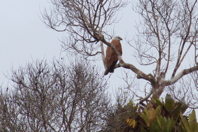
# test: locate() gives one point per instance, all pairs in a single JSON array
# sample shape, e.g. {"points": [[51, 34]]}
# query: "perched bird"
{"points": [[111, 57]]}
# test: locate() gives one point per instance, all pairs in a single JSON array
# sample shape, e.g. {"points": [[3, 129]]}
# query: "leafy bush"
{"points": [[156, 116]]}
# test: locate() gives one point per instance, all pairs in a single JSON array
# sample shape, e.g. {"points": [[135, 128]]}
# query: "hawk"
{"points": [[111, 57]]}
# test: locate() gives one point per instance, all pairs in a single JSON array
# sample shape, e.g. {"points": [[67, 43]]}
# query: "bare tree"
{"points": [[84, 21], [10, 120], [166, 35], [55, 98]]}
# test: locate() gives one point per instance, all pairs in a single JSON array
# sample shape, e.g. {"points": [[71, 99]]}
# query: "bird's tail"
{"points": [[106, 72]]}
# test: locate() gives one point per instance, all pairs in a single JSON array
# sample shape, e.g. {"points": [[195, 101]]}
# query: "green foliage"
{"points": [[190, 124], [156, 116], [168, 117], [155, 121]]}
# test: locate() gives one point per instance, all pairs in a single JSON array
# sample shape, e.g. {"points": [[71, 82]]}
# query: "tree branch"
{"points": [[180, 75]]}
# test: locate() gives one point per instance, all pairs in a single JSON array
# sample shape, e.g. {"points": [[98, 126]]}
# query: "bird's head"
{"points": [[117, 38]]}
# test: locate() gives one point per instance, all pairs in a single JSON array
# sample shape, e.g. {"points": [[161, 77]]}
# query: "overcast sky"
{"points": [[23, 36]]}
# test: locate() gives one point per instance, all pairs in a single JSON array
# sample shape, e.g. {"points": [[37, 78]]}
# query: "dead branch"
{"points": [[180, 75]]}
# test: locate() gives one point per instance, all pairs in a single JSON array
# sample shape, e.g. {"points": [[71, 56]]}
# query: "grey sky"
{"points": [[23, 36]]}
